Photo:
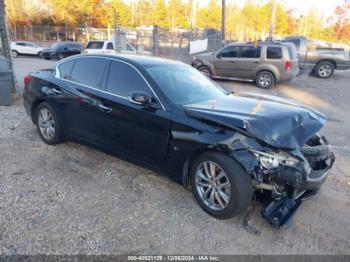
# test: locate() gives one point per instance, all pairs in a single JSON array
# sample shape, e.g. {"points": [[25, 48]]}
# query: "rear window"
{"points": [[94, 45], [250, 52], [89, 71], [274, 53]]}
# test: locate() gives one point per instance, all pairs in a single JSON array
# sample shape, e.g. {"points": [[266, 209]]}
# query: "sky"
{"points": [[326, 7]]}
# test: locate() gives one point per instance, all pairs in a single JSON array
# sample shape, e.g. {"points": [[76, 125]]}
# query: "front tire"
{"points": [[14, 53], [324, 70], [265, 80], [220, 185], [48, 124], [205, 70]]}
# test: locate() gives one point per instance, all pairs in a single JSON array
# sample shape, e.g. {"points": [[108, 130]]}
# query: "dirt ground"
{"points": [[71, 199]]}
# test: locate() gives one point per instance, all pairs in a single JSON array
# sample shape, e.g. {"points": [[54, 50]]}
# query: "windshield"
{"points": [[184, 85], [56, 45]]}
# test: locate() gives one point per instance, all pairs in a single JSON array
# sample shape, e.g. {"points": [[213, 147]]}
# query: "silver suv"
{"points": [[264, 63]]}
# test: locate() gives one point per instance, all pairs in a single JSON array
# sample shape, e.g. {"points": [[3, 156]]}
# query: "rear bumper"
{"points": [[287, 75]]}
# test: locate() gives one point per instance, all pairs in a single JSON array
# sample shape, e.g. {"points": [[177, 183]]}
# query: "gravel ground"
{"points": [[71, 199]]}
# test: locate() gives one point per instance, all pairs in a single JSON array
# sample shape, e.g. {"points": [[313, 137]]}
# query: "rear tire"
{"points": [[229, 189], [205, 70], [48, 124], [265, 80], [39, 54], [324, 70]]}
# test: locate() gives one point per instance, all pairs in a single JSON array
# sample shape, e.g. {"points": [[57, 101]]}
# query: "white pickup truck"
{"points": [[98, 47]]}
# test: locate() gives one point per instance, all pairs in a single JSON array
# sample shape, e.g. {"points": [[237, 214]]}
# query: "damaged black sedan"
{"points": [[167, 116]]}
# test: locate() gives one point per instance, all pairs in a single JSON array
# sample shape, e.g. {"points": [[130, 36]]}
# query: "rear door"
{"points": [[225, 62], [81, 116], [139, 132], [247, 61]]}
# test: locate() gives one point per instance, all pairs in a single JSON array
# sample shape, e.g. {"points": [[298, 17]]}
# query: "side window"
{"points": [[89, 71], [123, 79], [65, 69], [21, 44], [274, 53], [250, 52], [110, 46], [230, 51]]}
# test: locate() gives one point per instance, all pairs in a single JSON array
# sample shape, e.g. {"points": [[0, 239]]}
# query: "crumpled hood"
{"points": [[279, 122]]}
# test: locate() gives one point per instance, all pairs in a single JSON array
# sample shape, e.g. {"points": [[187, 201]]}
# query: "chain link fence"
{"points": [[146, 39]]}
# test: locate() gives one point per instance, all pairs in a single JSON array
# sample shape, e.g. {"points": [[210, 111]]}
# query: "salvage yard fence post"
{"points": [[5, 40]]}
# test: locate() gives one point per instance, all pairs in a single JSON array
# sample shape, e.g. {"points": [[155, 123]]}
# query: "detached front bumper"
{"points": [[292, 185]]}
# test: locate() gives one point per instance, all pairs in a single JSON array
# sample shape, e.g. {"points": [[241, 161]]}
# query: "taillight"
{"points": [[288, 65], [27, 80]]}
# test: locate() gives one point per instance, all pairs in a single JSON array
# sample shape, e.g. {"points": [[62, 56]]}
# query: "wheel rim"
{"points": [[325, 70], [205, 71], [212, 185], [46, 124], [265, 80], [14, 54]]}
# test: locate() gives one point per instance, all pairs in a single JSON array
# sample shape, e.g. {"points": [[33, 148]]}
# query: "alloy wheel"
{"points": [[265, 80], [46, 124], [212, 185], [205, 71], [325, 71]]}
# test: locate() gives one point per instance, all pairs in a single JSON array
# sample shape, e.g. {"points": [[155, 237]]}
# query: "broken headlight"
{"points": [[272, 161]]}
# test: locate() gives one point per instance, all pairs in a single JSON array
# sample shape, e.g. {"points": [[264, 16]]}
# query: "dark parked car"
{"points": [[61, 50], [170, 117]]}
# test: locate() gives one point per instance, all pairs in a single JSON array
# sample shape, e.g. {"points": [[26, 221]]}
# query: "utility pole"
{"points": [[117, 47], [273, 18], [223, 20], [5, 39]]}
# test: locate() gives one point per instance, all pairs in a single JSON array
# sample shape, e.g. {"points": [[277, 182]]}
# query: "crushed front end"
{"points": [[291, 177]]}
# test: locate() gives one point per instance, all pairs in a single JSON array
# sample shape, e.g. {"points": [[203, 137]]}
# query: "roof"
{"points": [[138, 59]]}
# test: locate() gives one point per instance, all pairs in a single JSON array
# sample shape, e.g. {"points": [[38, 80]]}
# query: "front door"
{"points": [[225, 63], [247, 61], [140, 132]]}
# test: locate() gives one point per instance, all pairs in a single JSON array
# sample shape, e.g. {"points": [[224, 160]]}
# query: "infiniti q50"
{"points": [[167, 116]]}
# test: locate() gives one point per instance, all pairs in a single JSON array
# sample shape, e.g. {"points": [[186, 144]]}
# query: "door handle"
{"points": [[104, 108], [56, 91]]}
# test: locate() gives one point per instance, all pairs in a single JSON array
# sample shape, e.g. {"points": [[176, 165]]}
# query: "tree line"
{"points": [[247, 22]]}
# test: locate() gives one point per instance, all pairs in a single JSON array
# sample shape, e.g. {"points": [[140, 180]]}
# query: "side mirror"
{"points": [[218, 56], [140, 98]]}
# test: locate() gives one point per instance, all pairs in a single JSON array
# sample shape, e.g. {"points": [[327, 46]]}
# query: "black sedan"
{"points": [[61, 50], [167, 116]]}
